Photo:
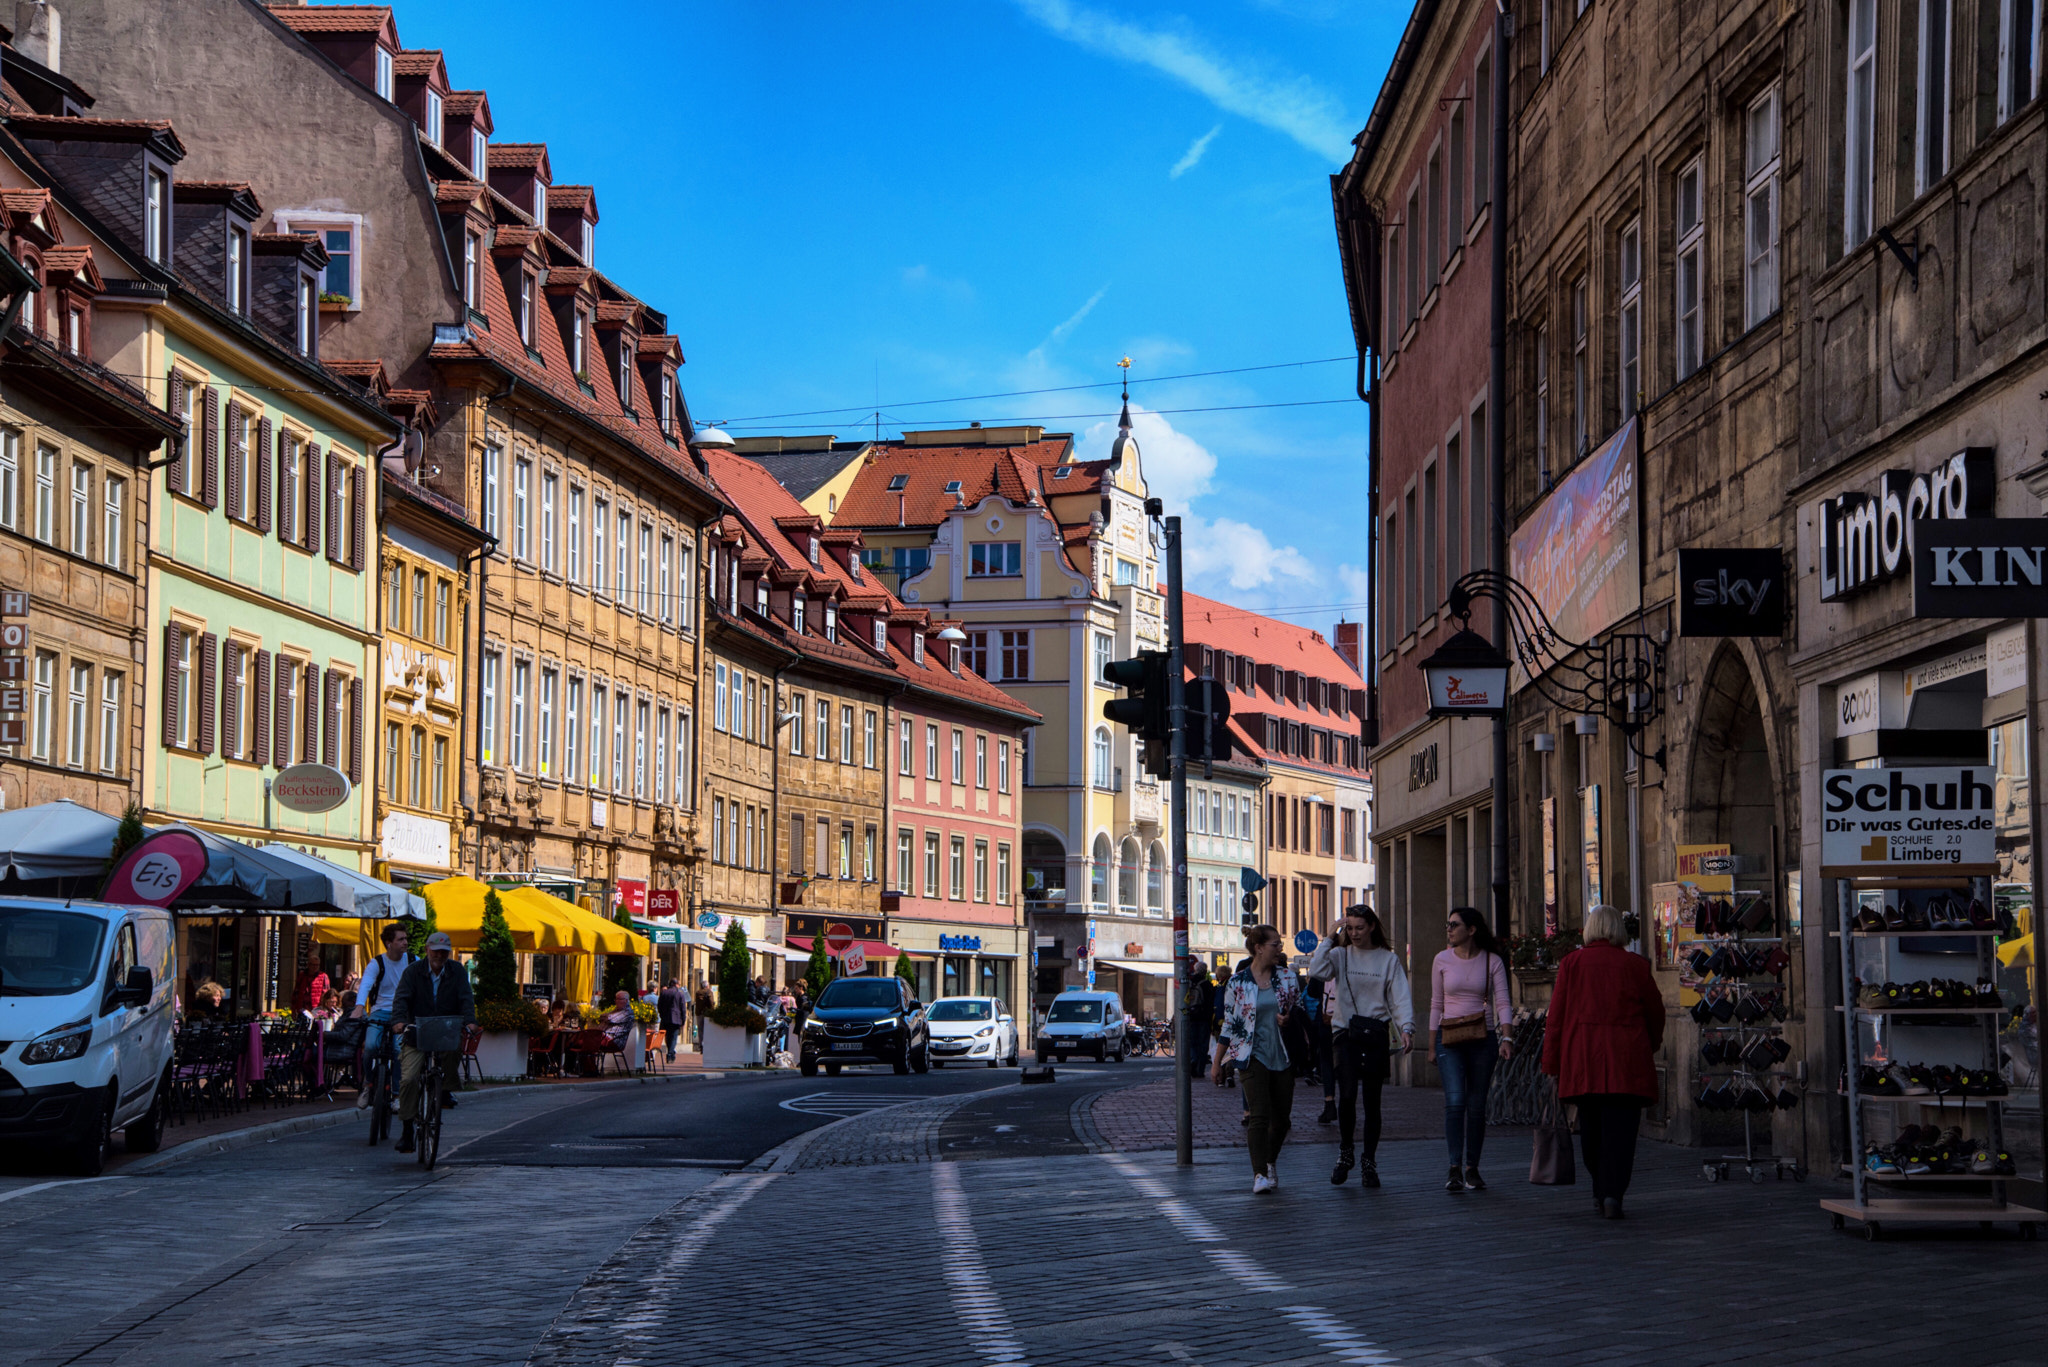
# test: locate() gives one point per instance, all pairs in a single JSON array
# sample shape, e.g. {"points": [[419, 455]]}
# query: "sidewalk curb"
{"points": [[275, 1130]]}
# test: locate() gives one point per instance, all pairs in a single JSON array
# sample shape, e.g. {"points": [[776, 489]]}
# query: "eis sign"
{"points": [[1867, 539], [1876, 821]]}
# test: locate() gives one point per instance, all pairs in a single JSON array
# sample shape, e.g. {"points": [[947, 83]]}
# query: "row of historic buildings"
{"points": [[340, 446], [1771, 268]]}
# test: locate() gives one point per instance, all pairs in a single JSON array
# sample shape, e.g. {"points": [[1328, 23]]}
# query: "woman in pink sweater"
{"points": [[1468, 981]]}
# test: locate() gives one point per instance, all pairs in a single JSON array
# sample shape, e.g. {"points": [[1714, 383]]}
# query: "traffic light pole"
{"points": [[1176, 711]]}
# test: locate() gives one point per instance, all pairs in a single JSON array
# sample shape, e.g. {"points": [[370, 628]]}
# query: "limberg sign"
{"points": [[1981, 567], [1879, 821], [1866, 539]]}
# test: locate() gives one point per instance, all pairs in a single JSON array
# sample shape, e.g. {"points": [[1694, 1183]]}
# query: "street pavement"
{"points": [[956, 1218]]}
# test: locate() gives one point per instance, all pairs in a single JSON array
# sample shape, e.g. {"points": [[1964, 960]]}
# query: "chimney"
{"points": [[1351, 645], [39, 32]]}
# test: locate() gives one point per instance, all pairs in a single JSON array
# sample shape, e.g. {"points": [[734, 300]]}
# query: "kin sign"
{"points": [[1921, 820], [1981, 567]]}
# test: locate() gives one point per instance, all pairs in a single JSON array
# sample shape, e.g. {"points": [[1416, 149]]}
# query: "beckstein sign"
{"points": [[1907, 821]]}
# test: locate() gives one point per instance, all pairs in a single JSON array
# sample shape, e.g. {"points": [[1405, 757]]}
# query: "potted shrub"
{"points": [[732, 1035], [506, 1019]]}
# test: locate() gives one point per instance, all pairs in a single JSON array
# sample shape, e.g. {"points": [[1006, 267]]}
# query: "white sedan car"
{"points": [[971, 1030]]}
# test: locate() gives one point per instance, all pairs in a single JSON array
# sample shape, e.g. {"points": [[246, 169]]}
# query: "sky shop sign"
{"points": [[1889, 821], [1867, 539]]}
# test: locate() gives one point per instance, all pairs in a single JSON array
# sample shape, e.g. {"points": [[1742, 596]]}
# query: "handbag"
{"points": [[1550, 1164], [1471, 1029]]}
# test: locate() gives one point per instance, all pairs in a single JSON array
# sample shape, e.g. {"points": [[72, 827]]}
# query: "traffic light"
{"points": [[1208, 714], [1143, 706]]}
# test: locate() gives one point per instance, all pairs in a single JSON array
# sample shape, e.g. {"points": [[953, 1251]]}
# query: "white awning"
{"points": [[1150, 968]]}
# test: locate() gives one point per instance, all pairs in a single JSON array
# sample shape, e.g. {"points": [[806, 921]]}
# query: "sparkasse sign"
{"points": [[1934, 820]]}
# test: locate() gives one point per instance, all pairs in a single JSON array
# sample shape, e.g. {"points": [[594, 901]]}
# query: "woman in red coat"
{"points": [[1605, 1027]]}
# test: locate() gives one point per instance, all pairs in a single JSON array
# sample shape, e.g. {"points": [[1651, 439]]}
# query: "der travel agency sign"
{"points": [[1935, 820]]}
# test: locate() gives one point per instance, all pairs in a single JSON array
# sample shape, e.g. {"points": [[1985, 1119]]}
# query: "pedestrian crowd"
{"points": [[1340, 1021]]}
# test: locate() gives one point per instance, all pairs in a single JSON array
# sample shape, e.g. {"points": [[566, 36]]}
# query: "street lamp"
{"points": [[1467, 677]]}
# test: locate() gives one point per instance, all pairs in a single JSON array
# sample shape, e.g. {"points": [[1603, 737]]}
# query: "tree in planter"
{"points": [[733, 1008], [497, 964], [906, 970], [818, 972]]}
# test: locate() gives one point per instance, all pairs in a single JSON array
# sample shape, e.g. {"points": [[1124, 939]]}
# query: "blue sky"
{"points": [[838, 204]]}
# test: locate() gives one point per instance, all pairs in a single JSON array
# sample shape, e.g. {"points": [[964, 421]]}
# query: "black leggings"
{"points": [[1359, 1070]]}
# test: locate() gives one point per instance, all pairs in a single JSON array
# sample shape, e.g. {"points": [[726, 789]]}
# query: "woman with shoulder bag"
{"points": [[1468, 999], [1605, 1026], [1372, 997], [1257, 1000]]}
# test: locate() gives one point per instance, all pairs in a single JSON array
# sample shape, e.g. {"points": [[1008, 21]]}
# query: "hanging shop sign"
{"points": [[1981, 567], [13, 667], [1870, 703], [631, 894], [310, 788], [1577, 553], [2005, 660], [414, 840], [1731, 591], [156, 869], [1867, 539], [1918, 820], [664, 902], [965, 943]]}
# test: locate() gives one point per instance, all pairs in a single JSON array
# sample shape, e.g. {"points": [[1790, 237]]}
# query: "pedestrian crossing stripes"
{"points": [[840, 1105], [1341, 1342], [974, 1296]]}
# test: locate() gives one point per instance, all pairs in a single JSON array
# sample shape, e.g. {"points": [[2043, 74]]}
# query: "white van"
{"points": [[1088, 1024], [85, 1025]]}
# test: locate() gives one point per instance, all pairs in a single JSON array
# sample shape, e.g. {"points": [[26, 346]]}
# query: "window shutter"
{"points": [[330, 737], [359, 534], [281, 714], [209, 447], [315, 466], [287, 507], [176, 470], [259, 728], [262, 466], [330, 503], [355, 730], [310, 706], [230, 705], [208, 652], [237, 505], [174, 646]]}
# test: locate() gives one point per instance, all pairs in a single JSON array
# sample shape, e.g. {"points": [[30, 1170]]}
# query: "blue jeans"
{"points": [[1467, 1071], [375, 1037]]}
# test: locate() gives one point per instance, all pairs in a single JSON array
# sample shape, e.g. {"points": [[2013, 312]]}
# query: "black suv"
{"points": [[865, 1020]]}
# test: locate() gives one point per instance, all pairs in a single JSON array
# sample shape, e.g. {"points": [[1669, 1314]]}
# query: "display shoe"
{"points": [[1368, 1173], [1944, 1081], [1915, 918], [1994, 1083], [1895, 995], [1911, 1160], [1878, 1082], [1987, 994], [1342, 1172], [1879, 1163], [1786, 1099], [1942, 913], [1980, 916], [1940, 993], [1870, 996], [1912, 1079]]}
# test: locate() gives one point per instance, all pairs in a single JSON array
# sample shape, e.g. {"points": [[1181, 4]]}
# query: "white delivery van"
{"points": [[85, 1025]]}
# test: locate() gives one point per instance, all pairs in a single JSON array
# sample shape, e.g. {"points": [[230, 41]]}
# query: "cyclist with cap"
{"points": [[433, 986]]}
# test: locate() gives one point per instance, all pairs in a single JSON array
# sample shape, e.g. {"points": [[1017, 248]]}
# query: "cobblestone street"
{"points": [[859, 1242]]}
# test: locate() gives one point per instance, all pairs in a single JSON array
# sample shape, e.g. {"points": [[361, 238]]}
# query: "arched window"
{"points": [[1098, 872], [1104, 758], [1155, 880], [1129, 862]]}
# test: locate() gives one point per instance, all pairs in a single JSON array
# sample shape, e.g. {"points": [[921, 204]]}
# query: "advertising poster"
{"points": [[1577, 553], [1886, 822], [1676, 917], [1589, 845]]}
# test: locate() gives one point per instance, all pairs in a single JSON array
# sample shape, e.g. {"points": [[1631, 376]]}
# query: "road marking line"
{"points": [[60, 1182], [974, 1297], [1246, 1270], [1342, 1343], [666, 1286], [844, 1104]]}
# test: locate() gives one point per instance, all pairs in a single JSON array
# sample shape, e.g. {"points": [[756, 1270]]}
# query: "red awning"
{"points": [[873, 949]]}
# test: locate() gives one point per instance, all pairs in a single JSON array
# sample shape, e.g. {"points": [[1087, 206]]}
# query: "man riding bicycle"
{"points": [[373, 999], [433, 986]]}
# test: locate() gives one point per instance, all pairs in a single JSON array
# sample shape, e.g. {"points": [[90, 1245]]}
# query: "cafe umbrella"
{"points": [[55, 848]]}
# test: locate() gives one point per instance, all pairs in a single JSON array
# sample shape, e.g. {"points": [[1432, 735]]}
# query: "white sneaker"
{"points": [[1272, 1174], [1261, 1184]]}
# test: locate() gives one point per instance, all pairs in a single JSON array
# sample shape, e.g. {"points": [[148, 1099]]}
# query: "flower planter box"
{"points": [[501, 1054], [728, 1046]]}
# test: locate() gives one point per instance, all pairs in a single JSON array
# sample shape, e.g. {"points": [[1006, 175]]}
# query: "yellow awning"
{"points": [[459, 910], [594, 932]]}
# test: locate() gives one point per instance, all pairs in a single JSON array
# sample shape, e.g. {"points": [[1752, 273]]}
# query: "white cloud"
{"points": [[1059, 334], [1193, 156], [1357, 583], [1241, 557], [1178, 468], [1291, 105]]}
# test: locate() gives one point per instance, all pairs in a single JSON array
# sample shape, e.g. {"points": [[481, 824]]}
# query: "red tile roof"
{"points": [[333, 18], [1278, 645], [421, 61], [1015, 472], [573, 197], [465, 192], [518, 156]]}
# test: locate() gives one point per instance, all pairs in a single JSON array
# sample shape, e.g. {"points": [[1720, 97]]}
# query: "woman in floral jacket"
{"points": [[1255, 1002]]}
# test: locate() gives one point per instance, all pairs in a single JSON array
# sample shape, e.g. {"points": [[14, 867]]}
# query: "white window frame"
{"points": [[387, 73], [522, 672], [544, 746], [1859, 124], [487, 742], [2016, 84], [479, 153], [574, 557], [435, 122], [1931, 92], [493, 492], [10, 478], [1629, 318], [112, 683], [1760, 210], [1688, 280], [1582, 388], [550, 486], [572, 734], [320, 222], [522, 501]]}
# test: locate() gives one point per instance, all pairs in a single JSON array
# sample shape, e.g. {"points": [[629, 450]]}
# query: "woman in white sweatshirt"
{"points": [[1372, 997]]}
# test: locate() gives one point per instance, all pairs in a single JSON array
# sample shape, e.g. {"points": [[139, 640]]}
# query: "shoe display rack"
{"points": [[1741, 1010], [1935, 1173]]}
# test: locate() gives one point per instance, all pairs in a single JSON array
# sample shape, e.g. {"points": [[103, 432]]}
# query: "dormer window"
{"points": [[1063, 471], [625, 371], [479, 154], [668, 404], [853, 568], [434, 117], [831, 622], [472, 257], [917, 647], [578, 330], [385, 82], [156, 213], [897, 483], [589, 243], [761, 596], [953, 651], [74, 332], [814, 550], [952, 486], [540, 204], [881, 636], [238, 268], [796, 614], [309, 311], [526, 309]]}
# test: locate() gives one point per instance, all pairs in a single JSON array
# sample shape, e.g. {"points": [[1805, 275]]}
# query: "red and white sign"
{"points": [[838, 939], [854, 961], [631, 893], [664, 904], [13, 603], [310, 788], [159, 868]]}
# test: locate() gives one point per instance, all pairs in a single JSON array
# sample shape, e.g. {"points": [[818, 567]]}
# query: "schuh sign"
{"points": [[1981, 567], [1936, 820]]}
